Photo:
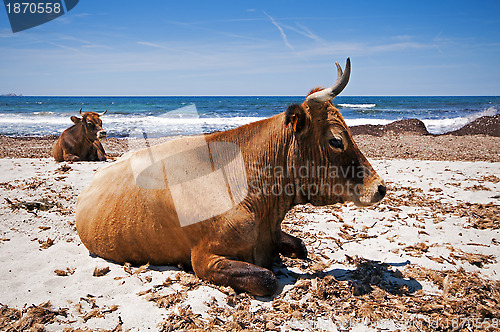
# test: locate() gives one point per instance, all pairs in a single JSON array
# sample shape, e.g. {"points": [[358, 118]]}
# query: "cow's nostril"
{"points": [[382, 190]]}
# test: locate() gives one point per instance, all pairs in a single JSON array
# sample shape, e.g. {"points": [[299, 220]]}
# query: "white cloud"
{"points": [[362, 48], [282, 32], [73, 49], [304, 31], [81, 42], [145, 43]]}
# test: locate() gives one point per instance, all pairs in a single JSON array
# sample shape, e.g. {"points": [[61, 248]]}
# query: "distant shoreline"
{"points": [[11, 95]]}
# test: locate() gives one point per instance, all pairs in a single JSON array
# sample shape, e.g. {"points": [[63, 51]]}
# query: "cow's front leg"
{"points": [[101, 155], [292, 246], [71, 157], [239, 275]]}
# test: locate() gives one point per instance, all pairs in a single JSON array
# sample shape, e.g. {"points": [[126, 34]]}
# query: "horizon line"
{"points": [[204, 96]]}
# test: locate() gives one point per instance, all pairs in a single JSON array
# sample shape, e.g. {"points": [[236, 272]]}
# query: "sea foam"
{"points": [[357, 105], [441, 126]]}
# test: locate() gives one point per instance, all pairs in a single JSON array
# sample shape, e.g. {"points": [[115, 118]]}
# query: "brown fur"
{"points": [[81, 142], [121, 221]]}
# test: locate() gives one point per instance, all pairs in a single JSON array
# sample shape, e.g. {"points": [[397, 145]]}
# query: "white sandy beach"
{"points": [[438, 215]]}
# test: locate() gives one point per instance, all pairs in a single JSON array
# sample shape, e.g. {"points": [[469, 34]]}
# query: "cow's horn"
{"points": [[81, 111], [103, 113], [334, 90]]}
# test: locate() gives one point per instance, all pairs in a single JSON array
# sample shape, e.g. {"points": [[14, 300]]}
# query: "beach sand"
{"points": [[426, 256]]}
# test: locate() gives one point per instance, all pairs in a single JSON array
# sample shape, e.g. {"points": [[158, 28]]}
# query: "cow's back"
{"points": [[58, 148], [120, 220]]}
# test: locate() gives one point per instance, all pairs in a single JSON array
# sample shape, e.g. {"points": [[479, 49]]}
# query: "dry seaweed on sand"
{"points": [[167, 300], [417, 249], [7, 185], [8, 316], [312, 296], [33, 318], [170, 297], [141, 269], [127, 267], [477, 187], [187, 280], [323, 287], [182, 319], [99, 272], [64, 273], [46, 244], [489, 178], [473, 258], [31, 206], [480, 216], [373, 291], [465, 295], [91, 300], [33, 183], [94, 313], [63, 169]]}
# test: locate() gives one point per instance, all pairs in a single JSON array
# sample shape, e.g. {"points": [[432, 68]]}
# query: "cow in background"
{"points": [[80, 142]]}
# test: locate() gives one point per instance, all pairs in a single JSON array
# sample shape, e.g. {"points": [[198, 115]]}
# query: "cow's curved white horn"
{"points": [[334, 90], [101, 114], [81, 111]]}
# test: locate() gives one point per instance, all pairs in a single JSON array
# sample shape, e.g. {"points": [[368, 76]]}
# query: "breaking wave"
{"points": [[358, 106]]}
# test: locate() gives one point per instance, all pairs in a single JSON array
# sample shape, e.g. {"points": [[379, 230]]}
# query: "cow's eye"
{"points": [[90, 124], [336, 143]]}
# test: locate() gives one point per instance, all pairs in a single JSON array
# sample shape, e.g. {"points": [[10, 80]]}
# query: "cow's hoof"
{"points": [[266, 285], [292, 247]]}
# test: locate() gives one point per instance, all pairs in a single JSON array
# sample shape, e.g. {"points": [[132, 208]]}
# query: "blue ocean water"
{"points": [[167, 116]]}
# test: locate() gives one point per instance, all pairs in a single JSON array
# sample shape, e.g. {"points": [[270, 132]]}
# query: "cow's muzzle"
{"points": [[371, 192], [382, 189], [101, 134]]}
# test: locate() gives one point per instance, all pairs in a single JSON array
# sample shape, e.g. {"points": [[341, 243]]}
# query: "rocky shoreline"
{"points": [[404, 139]]}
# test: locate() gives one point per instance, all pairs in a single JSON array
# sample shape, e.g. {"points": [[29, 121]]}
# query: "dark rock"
{"points": [[407, 126], [485, 125]]}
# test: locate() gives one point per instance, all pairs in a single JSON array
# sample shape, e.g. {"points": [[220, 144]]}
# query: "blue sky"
{"points": [[117, 47]]}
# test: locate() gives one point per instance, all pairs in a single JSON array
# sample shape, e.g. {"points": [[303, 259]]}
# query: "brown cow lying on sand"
{"points": [[165, 204], [80, 142]]}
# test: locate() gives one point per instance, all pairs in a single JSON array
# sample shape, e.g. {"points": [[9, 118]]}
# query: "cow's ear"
{"points": [[75, 119], [296, 117]]}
